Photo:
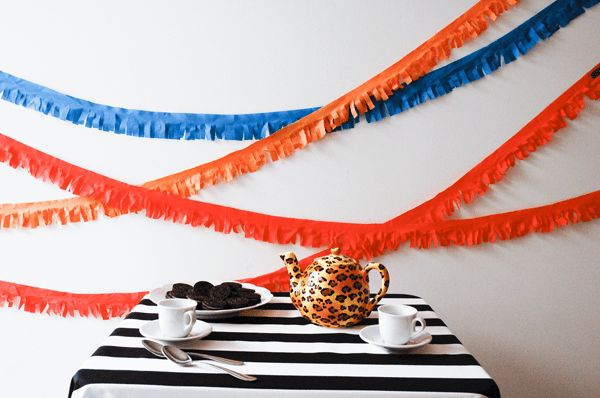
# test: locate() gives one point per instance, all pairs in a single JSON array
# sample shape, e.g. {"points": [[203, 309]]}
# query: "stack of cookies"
{"points": [[226, 295]]}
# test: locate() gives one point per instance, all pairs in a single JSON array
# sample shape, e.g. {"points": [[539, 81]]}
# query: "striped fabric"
{"points": [[290, 356]]}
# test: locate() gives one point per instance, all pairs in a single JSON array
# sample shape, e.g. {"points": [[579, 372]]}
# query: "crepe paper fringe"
{"points": [[42, 214], [364, 240], [536, 133], [468, 69], [115, 197], [455, 237], [466, 232], [461, 232], [367, 240], [39, 300], [423, 236], [188, 126], [387, 238], [475, 231], [157, 205], [485, 229], [184, 184], [145, 124], [483, 61], [342, 112], [416, 64]]}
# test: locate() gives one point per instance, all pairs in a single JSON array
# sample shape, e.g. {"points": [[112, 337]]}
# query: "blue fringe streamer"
{"points": [[139, 123], [483, 61], [255, 126]]}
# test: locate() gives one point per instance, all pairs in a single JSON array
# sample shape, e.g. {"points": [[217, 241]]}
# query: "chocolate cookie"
{"points": [[212, 304], [238, 302], [219, 292], [178, 294], [195, 296], [253, 298], [219, 297], [202, 287], [182, 286], [181, 290], [233, 285]]}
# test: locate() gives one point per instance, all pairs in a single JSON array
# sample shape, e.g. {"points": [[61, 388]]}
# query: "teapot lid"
{"points": [[335, 252]]}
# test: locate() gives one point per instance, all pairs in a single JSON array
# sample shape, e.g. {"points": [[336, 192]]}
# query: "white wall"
{"points": [[527, 309]]}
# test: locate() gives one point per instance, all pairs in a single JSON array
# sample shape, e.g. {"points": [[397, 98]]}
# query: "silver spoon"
{"points": [[182, 358], [155, 348]]}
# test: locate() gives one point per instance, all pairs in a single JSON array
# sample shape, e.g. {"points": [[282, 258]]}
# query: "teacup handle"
{"points": [[385, 283], [414, 327], [189, 318]]}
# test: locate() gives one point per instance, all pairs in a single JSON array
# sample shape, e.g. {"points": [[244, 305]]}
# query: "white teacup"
{"points": [[398, 323], [176, 317]]}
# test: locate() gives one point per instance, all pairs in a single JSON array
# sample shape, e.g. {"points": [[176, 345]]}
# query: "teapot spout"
{"points": [[294, 271]]}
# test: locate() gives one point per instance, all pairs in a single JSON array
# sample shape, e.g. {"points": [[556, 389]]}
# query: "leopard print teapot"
{"points": [[334, 290]]}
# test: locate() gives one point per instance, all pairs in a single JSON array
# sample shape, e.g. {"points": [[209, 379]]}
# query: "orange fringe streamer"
{"points": [[314, 126]]}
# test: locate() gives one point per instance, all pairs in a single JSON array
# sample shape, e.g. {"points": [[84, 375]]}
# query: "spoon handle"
{"points": [[240, 376], [216, 359]]}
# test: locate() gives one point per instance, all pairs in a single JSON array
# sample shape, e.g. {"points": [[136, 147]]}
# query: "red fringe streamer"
{"points": [[462, 232], [33, 299]]}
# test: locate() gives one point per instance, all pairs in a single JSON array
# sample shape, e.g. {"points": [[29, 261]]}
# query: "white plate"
{"points": [[371, 335], [152, 331], [265, 296]]}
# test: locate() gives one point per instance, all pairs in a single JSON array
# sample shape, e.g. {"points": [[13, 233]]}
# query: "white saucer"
{"points": [[152, 331], [371, 335]]}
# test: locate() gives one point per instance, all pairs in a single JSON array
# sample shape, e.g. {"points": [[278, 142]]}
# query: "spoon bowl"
{"points": [[176, 355], [181, 357], [153, 347]]}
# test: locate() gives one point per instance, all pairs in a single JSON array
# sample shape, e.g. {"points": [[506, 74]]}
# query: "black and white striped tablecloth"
{"points": [[291, 358]]}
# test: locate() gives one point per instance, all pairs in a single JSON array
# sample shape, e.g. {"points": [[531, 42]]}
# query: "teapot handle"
{"points": [[385, 283]]}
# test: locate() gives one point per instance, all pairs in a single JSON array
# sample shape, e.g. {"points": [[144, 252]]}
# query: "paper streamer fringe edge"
{"points": [[439, 82], [561, 223], [444, 233], [365, 240], [187, 126]]}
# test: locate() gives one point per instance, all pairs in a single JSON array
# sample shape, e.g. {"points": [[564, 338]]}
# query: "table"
{"points": [[290, 356]]}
